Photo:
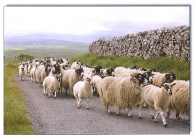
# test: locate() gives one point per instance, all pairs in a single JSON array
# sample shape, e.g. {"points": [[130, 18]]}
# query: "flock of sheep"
{"points": [[120, 87]]}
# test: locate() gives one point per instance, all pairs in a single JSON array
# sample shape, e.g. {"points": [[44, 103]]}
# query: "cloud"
{"points": [[116, 20]]}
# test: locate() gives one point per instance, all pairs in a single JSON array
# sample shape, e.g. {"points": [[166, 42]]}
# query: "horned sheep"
{"points": [[180, 99], [83, 89], [121, 92], [157, 97]]}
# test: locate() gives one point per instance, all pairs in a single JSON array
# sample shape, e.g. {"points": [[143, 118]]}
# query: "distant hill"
{"points": [[50, 39]]}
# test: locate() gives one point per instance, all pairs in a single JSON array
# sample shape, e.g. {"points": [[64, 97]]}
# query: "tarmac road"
{"points": [[60, 116]]}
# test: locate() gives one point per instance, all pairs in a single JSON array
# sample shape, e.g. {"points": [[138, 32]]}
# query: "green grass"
{"points": [[16, 119], [180, 67], [61, 51]]}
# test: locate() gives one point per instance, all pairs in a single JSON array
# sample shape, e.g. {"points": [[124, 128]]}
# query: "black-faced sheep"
{"points": [[70, 77], [159, 78], [180, 99], [51, 84], [83, 89], [156, 97], [121, 92], [41, 72]]}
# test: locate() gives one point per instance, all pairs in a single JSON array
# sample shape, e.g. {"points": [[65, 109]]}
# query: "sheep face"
{"points": [[58, 77], [89, 80], [110, 72], [98, 69], [79, 72], [168, 87], [169, 77], [140, 78], [148, 75], [56, 69]]}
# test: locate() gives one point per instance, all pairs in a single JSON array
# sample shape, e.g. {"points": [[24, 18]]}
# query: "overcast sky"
{"points": [[118, 20]]}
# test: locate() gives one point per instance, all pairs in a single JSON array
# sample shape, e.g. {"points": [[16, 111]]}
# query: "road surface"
{"points": [[60, 116]]}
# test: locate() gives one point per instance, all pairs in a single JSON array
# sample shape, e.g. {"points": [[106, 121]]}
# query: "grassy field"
{"points": [[16, 119], [61, 51], [180, 67]]}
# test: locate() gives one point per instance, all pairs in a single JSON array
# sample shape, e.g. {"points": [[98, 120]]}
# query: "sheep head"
{"points": [[168, 87], [138, 77], [169, 77], [148, 75], [79, 72]]}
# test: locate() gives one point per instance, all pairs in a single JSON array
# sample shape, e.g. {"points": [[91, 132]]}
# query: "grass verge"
{"points": [[16, 119], [180, 67]]}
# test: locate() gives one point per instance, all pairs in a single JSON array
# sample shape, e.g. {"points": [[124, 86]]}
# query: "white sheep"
{"points": [[121, 92], [160, 78], [156, 97], [96, 79], [83, 89], [51, 84], [70, 77], [41, 72], [30, 66], [180, 99], [32, 72], [22, 71]]}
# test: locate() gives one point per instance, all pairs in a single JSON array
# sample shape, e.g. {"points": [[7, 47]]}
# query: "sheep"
{"points": [[159, 78], [51, 84], [29, 68], [70, 77], [22, 71], [180, 99], [157, 97], [41, 72], [96, 79], [32, 72], [121, 92], [83, 89]]}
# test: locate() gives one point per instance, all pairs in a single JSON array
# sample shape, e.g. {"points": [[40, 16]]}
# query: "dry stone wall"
{"points": [[169, 42]]}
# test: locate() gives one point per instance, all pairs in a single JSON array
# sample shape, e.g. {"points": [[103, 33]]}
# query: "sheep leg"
{"points": [[44, 91], [77, 102], [151, 112], [163, 118], [177, 115], [168, 112], [55, 93], [79, 105], [118, 111], [129, 112], [50, 93], [87, 104], [140, 108], [107, 107], [155, 118]]}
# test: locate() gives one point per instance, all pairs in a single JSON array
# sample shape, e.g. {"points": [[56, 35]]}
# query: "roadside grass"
{"points": [[180, 67], [16, 119]]}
